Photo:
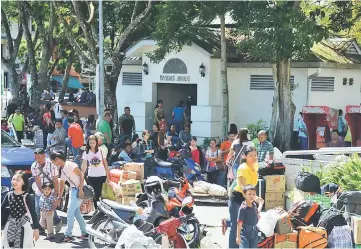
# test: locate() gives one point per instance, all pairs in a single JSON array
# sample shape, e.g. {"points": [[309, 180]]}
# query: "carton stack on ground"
{"points": [[356, 230], [275, 191], [130, 189]]}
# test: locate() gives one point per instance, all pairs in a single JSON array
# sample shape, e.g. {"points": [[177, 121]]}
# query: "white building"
{"points": [[332, 78]]}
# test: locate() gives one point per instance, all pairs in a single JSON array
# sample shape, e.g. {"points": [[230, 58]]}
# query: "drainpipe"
{"points": [[314, 75]]}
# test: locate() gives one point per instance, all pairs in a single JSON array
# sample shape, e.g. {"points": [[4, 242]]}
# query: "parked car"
{"points": [[14, 157]]}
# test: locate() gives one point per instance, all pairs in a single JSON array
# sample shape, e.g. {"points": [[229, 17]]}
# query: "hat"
{"points": [[39, 151]]}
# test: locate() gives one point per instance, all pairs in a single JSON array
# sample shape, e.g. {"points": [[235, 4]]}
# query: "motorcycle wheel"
{"points": [[191, 232], [103, 225]]}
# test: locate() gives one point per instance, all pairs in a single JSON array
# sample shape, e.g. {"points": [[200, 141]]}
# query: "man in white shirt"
{"points": [[43, 171], [57, 109]]}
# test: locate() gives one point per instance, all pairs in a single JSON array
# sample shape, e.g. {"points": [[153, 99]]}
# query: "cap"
{"points": [[39, 151]]}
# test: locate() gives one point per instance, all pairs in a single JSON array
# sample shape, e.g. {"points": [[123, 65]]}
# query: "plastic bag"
{"points": [[107, 192], [208, 242], [131, 237], [117, 190], [217, 190], [201, 187], [268, 221]]}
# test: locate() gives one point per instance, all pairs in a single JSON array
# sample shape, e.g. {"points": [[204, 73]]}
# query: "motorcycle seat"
{"points": [[118, 206], [162, 163]]}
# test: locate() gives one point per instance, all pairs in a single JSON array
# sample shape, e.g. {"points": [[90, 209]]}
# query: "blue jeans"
{"points": [[75, 151], [249, 236], [233, 214], [74, 213], [234, 169], [222, 179], [303, 143], [56, 219]]}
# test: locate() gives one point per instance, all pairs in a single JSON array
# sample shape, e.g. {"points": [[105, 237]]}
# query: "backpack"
{"points": [[307, 182], [308, 213], [265, 242], [329, 218], [272, 168]]}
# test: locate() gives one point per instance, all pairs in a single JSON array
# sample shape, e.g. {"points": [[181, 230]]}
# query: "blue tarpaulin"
{"points": [[73, 81]]}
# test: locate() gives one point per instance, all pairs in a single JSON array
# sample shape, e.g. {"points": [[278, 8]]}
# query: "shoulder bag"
{"points": [[220, 164], [87, 189]]}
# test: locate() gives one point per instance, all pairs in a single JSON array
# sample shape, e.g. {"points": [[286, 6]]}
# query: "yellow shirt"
{"points": [[250, 175]]}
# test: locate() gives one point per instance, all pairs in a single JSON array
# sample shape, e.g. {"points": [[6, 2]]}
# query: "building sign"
{"points": [[175, 78]]}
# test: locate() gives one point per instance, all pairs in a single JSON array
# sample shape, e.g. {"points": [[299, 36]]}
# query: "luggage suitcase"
{"points": [[261, 189], [308, 213], [265, 242], [312, 237], [288, 240], [273, 168], [340, 237], [307, 182]]}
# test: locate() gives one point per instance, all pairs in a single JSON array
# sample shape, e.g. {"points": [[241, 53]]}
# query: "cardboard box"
{"points": [[136, 167], [288, 240], [356, 228], [284, 224], [275, 184], [131, 188], [274, 200]]}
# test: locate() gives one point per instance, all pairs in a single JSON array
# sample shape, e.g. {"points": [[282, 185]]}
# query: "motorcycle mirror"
{"points": [[187, 200]]}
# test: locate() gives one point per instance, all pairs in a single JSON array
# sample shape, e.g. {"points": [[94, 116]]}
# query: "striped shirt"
{"points": [[262, 150]]}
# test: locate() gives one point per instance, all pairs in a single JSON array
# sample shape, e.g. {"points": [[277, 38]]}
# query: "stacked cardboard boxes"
{"points": [[275, 191], [130, 189], [356, 230]]}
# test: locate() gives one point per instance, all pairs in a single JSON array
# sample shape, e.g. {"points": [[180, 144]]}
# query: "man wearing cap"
{"points": [[18, 122], [58, 137], [44, 171]]}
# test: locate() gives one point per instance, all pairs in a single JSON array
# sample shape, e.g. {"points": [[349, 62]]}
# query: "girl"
{"points": [[18, 217], [96, 162], [154, 135], [247, 173], [158, 111], [213, 155]]}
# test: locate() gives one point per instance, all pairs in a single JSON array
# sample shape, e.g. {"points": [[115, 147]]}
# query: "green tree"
{"points": [[278, 32]]}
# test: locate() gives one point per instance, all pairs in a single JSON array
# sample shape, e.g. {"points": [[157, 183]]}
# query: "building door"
{"points": [[171, 94]]}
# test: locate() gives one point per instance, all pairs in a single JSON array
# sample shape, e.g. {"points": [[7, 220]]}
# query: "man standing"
{"points": [[43, 171], [18, 122], [342, 124], [302, 133], [57, 109], [75, 139], [59, 136], [126, 124], [104, 128], [264, 147]]}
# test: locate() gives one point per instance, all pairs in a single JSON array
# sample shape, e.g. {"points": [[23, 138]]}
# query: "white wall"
{"points": [[248, 106], [342, 95]]}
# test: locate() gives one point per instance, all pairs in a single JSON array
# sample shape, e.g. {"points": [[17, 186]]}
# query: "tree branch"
{"points": [[26, 65], [52, 26], [83, 24], [134, 10], [18, 42], [50, 72], [5, 23]]}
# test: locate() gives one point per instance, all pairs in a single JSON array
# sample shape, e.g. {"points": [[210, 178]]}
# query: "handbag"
{"points": [[220, 165], [87, 189]]}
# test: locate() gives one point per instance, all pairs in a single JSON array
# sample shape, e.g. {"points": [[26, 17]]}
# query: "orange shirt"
{"points": [[226, 145], [76, 134]]}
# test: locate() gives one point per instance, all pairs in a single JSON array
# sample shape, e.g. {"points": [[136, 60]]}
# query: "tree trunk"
{"points": [[44, 78], [66, 77], [225, 115], [274, 118], [285, 105], [14, 81]]}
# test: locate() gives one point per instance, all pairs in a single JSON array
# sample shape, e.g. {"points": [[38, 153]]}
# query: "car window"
{"points": [[8, 141]]}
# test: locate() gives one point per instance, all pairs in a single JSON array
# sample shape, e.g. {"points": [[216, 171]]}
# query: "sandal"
{"points": [[224, 226], [50, 237], [67, 239], [83, 236]]}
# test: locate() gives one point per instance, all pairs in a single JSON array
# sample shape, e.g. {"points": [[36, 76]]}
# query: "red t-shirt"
{"points": [[75, 132], [195, 156], [47, 115]]}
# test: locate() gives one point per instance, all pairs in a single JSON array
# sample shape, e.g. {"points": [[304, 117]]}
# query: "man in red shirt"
{"points": [[75, 139]]}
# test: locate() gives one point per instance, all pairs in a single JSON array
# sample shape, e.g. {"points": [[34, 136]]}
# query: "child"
{"points": [[248, 215], [47, 207], [4, 125], [18, 218]]}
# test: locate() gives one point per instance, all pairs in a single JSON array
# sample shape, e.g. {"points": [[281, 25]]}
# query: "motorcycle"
{"points": [[112, 218]]}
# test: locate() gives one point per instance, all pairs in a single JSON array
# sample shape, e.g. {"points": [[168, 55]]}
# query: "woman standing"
{"points": [[158, 111], [46, 116], [247, 173], [196, 152], [213, 155], [50, 127], [179, 116], [96, 162], [234, 156], [70, 172], [155, 134], [17, 212], [162, 152]]}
